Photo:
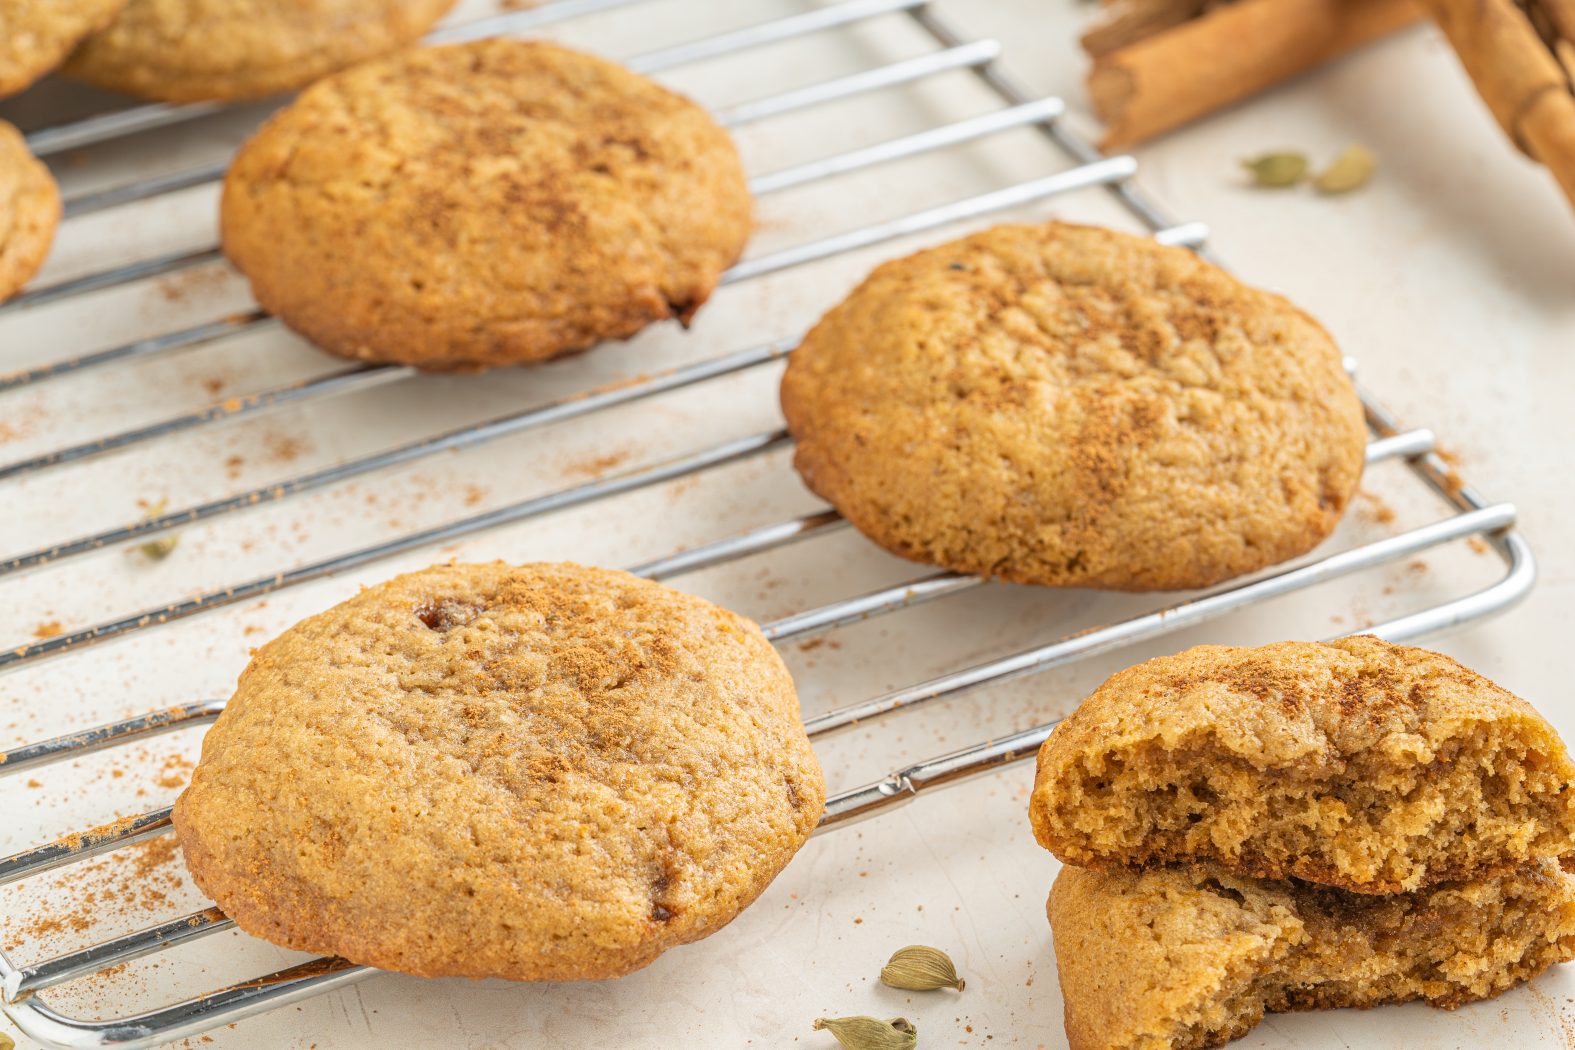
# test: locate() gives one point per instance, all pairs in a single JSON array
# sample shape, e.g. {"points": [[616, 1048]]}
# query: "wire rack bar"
{"points": [[357, 379], [246, 320], [86, 741], [1208, 606], [84, 963]]}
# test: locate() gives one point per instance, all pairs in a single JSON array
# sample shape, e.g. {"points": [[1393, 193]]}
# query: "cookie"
{"points": [[538, 772], [37, 35], [228, 50], [1374, 767], [29, 212], [1076, 407], [493, 203], [1174, 959]]}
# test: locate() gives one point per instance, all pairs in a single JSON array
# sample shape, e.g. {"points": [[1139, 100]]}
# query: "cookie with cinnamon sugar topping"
{"points": [[1374, 767], [1075, 407], [543, 772]]}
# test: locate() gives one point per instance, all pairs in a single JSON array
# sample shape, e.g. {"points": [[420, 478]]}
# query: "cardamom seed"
{"points": [[870, 1033], [162, 547], [1350, 170], [920, 969], [1277, 170]]}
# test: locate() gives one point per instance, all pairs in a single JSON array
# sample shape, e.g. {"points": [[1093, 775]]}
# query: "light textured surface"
{"points": [[199, 50], [484, 204], [29, 212], [1182, 959], [1359, 764], [37, 35], [1446, 279], [1075, 406], [543, 772]]}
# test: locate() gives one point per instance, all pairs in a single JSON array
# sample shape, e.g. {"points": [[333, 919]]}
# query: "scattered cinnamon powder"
{"points": [[597, 465], [284, 448], [48, 629], [178, 287], [1375, 508], [175, 771], [233, 465], [474, 494], [132, 884]]}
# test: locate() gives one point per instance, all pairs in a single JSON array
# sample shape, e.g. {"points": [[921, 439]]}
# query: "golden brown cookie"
{"points": [[485, 204], [37, 35], [224, 50], [1175, 959], [538, 772], [1356, 763], [1077, 407], [29, 212]]}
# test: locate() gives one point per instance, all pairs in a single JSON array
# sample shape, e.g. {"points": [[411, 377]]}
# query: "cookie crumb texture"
{"points": [[485, 204], [29, 212], [227, 50], [1374, 767], [37, 35], [1177, 959], [542, 772], [1072, 406]]}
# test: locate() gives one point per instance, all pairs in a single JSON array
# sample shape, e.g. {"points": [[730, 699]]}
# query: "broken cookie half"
{"points": [[1373, 767], [1193, 957]]}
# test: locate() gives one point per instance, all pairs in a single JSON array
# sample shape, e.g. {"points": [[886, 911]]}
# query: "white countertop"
{"points": [[1451, 280]]}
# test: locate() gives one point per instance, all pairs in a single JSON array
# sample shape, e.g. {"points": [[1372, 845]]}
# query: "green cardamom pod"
{"points": [[920, 969], [870, 1033], [162, 547], [1277, 170], [1350, 170]]}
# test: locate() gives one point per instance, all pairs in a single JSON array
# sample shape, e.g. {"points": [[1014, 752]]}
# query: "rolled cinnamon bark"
{"points": [[1520, 59], [1150, 85]]}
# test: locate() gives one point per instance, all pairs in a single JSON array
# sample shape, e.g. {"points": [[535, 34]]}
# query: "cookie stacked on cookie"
{"points": [[1298, 826]]}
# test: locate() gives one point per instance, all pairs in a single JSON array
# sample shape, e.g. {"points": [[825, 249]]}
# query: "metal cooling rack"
{"points": [[21, 984]]}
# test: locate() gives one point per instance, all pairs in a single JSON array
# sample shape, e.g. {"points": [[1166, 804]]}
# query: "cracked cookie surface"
{"points": [[37, 35], [228, 50], [538, 772], [1077, 407], [484, 204], [29, 212], [1177, 959]]}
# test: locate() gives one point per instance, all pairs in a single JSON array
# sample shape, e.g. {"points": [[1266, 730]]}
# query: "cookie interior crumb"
{"points": [[1184, 958], [1358, 764]]}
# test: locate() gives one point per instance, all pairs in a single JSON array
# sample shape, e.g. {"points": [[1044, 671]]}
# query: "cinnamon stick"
{"points": [[1160, 81], [1522, 60]]}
